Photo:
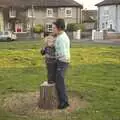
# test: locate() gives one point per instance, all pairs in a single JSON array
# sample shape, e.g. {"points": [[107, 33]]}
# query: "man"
{"points": [[62, 47]]}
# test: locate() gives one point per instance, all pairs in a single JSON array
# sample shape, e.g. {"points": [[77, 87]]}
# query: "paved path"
{"points": [[111, 42]]}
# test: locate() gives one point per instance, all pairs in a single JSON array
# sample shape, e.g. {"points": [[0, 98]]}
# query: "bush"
{"points": [[38, 28], [82, 27], [74, 27]]}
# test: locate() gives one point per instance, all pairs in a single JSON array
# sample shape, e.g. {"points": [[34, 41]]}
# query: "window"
{"points": [[28, 27], [68, 12], [106, 11], [49, 12], [62, 11], [106, 17], [12, 13], [31, 12], [49, 27]]}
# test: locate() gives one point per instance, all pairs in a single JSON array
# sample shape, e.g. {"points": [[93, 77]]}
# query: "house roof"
{"points": [[108, 2], [39, 3]]}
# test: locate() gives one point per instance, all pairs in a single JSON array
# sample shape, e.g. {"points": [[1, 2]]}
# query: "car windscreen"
{"points": [[6, 33]]}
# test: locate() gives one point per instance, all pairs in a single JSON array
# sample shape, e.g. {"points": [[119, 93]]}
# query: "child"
{"points": [[50, 60]]}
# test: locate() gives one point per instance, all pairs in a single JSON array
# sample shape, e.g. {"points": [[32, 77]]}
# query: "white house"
{"points": [[109, 15]]}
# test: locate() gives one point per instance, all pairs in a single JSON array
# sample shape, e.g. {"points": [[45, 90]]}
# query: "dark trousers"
{"points": [[60, 82], [51, 71]]}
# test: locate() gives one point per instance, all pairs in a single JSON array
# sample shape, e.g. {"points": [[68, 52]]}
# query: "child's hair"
{"points": [[49, 41], [46, 34]]}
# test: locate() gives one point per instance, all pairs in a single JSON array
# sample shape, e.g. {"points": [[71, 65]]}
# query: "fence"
{"points": [[97, 35]]}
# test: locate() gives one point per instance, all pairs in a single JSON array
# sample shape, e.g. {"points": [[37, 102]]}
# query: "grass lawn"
{"points": [[94, 74]]}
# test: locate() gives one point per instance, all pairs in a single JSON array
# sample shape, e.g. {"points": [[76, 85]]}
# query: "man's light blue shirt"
{"points": [[62, 46]]}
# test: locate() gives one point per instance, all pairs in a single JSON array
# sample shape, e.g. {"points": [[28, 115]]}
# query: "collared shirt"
{"points": [[62, 47]]}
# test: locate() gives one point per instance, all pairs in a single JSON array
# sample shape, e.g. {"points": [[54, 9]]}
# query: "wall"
{"points": [[107, 18], [118, 24], [41, 17], [1, 21], [113, 17]]}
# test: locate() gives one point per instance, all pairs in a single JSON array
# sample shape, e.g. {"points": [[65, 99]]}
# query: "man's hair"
{"points": [[60, 24]]}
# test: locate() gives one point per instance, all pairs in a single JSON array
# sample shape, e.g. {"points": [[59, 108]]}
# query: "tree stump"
{"points": [[48, 96]]}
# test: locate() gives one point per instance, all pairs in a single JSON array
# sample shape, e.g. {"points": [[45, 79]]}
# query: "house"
{"points": [[89, 18], [109, 15], [21, 15], [1, 21], [89, 15]]}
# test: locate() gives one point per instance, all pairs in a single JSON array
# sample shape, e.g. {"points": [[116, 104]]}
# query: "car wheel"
{"points": [[9, 39]]}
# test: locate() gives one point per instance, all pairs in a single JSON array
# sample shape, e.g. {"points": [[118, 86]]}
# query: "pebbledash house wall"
{"points": [[1, 20], [42, 18]]}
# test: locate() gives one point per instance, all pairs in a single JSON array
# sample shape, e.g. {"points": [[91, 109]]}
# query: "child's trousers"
{"points": [[51, 71]]}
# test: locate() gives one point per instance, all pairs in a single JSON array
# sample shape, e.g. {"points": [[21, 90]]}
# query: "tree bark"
{"points": [[48, 96]]}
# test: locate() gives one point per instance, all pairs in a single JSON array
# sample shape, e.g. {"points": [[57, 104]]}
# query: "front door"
{"points": [[18, 27]]}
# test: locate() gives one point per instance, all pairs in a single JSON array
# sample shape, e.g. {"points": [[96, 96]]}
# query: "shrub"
{"points": [[38, 28], [74, 27], [82, 27]]}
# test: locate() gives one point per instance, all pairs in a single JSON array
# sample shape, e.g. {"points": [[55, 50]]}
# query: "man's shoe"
{"points": [[63, 106]]}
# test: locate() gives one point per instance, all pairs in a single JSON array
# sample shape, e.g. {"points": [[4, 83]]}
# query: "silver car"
{"points": [[7, 36]]}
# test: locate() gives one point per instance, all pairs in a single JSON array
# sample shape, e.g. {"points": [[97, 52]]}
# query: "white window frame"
{"points": [[49, 29], [66, 14], [28, 26], [47, 12], [29, 12], [12, 13], [106, 13]]}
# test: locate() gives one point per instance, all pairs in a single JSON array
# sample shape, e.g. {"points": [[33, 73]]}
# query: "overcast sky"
{"points": [[89, 4]]}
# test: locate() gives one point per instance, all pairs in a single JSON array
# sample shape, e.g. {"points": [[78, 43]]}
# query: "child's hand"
{"points": [[42, 51], [49, 40]]}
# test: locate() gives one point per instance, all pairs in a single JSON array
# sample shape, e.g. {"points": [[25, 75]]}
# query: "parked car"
{"points": [[7, 36]]}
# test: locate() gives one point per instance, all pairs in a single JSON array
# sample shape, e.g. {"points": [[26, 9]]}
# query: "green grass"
{"points": [[94, 73]]}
